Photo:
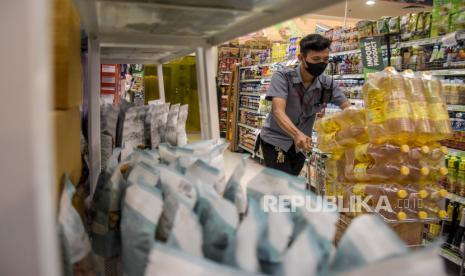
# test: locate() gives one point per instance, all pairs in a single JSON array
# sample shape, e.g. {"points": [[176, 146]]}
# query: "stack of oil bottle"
{"points": [[389, 151]]}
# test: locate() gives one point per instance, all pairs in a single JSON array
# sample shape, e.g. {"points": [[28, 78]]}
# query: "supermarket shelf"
{"points": [[247, 126], [447, 72], [257, 80], [451, 256], [246, 148], [349, 76], [345, 53], [249, 110], [456, 198], [252, 66], [251, 94], [453, 107], [250, 151]]}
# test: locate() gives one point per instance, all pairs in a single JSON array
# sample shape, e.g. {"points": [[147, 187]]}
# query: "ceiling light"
{"points": [[370, 2]]}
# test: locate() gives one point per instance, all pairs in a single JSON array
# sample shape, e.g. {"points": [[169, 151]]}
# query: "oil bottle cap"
{"points": [[422, 194], [402, 194], [443, 193], [422, 215], [444, 150], [404, 148], [401, 215], [425, 149], [404, 170], [442, 214], [358, 189], [424, 171], [443, 171]]}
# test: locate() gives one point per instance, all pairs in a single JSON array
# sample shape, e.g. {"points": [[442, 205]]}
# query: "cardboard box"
{"points": [[67, 55], [67, 145]]}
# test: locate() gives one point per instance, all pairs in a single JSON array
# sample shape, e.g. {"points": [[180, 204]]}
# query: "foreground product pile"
{"points": [[389, 152], [172, 212]]}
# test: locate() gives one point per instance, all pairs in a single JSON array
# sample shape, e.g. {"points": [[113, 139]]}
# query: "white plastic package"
{"points": [[242, 252], [171, 125], [186, 233], [168, 261], [207, 175], [141, 210], [234, 191], [367, 240], [181, 134], [219, 220]]}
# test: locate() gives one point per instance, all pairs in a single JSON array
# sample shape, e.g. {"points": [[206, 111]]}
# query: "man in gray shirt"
{"points": [[297, 94]]}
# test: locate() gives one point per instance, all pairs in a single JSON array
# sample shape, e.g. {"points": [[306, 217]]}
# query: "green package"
{"points": [[427, 24], [420, 26], [457, 15], [404, 27], [382, 25], [440, 20]]}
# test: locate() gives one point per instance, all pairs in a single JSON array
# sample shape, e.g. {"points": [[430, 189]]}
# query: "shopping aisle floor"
{"points": [[231, 159]]}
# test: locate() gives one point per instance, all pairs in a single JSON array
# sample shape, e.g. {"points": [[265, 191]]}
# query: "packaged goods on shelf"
{"points": [[250, 102], [247, 138], [454, 91], [352, 88]]}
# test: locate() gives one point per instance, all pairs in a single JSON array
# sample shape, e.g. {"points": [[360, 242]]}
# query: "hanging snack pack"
{"points": [[142, 208], [181, 136], [171, 125]]}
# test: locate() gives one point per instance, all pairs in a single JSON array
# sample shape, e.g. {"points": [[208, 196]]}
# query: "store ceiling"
{"points": [[156, 31], [358, 9]]}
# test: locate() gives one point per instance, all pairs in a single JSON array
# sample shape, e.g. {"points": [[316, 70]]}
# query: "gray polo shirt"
{"points": [[300, 108]]}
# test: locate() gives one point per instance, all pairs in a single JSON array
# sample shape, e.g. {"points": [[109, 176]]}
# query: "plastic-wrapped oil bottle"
{"points": [[437, 109], [416, 96]]}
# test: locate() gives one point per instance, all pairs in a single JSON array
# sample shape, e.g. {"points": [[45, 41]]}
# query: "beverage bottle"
{"points": [[418, 173], [460, 229], [452, 175], [458, 209], [381, 153], [434, 211], [351, 136], [419, 153], [399, 122], [448, 221], [437, 109], [394, 215], [380, 172], [434, 229], [416, 213], [415, 95], [460, 187]]}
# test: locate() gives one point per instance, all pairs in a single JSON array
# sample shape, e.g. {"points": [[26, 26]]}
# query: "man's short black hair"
{"points": [[314, 42]]}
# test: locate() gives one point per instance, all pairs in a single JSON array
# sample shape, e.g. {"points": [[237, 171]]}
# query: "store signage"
{"points": [[371, 53]]}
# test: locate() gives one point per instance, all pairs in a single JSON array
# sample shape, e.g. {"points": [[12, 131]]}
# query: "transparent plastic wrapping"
{"points": [[437, 109], [388, 162], [340, 130], [389, 115], [416, 96], [395, 202]]}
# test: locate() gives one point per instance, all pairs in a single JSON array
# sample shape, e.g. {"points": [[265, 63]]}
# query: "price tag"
{"points": [[449, 40]]}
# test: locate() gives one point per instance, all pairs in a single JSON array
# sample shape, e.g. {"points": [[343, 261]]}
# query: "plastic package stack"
{"points": [[171, 211], [389, 151]]}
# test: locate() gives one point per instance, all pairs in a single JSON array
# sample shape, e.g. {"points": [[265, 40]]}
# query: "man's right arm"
{"points": [[279, 112], [278, 93]]}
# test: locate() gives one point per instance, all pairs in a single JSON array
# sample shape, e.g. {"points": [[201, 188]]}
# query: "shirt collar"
{"points": [[298, 79]]}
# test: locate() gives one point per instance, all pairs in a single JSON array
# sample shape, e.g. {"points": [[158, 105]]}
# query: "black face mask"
{"points": [[315, 69]]}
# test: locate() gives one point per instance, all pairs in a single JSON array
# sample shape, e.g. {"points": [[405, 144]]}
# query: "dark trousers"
{"points": [[293, 161]]}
